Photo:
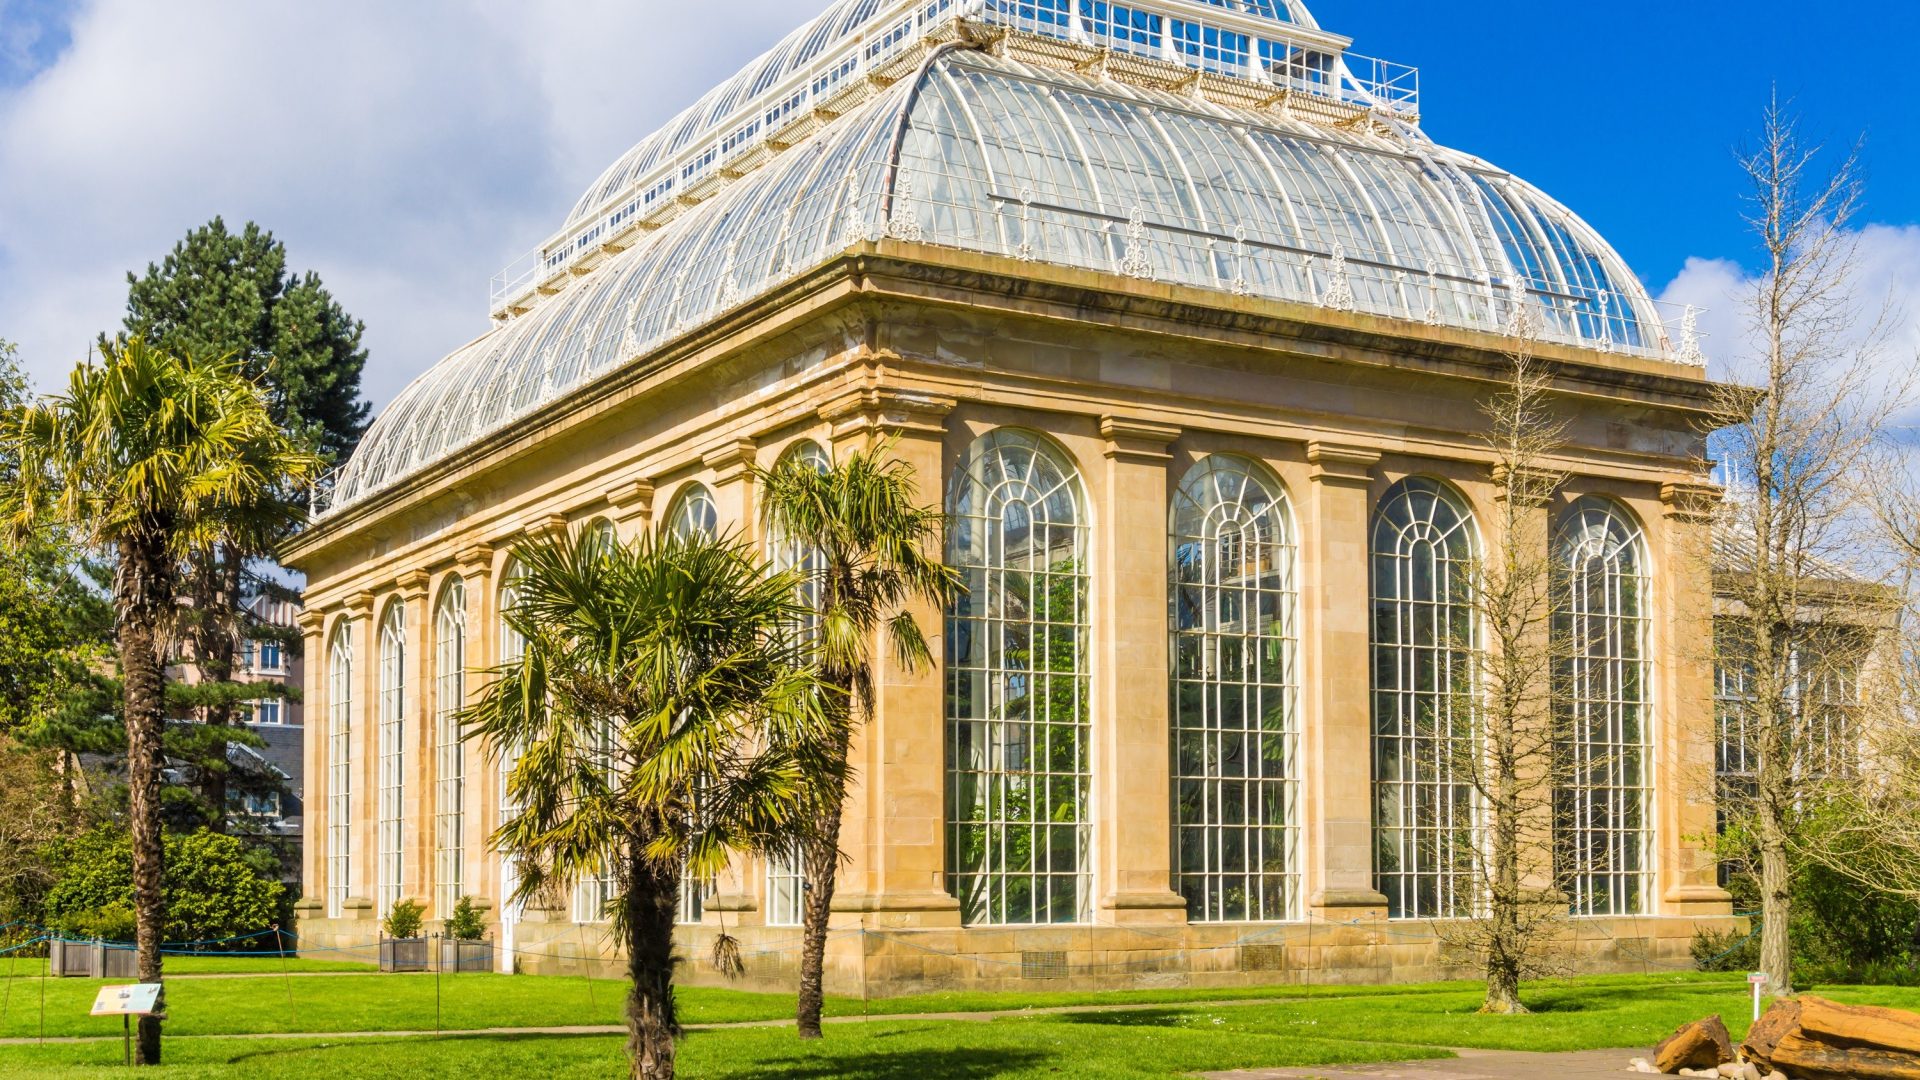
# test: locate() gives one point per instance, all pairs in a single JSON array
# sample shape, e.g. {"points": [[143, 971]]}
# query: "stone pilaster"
{"points": [[630, 508], [481, 805], [1685, 729], [416, 830], [1337, 724], [364, 797], [894, 832], [734, 489], [313, 738], [1132, 802]]}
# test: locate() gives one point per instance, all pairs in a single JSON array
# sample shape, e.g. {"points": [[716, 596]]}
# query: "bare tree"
{"points": [[1509, 761], [1805, 406]]}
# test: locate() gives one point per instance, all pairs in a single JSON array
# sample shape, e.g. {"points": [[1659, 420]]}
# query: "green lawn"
{"points": [[1179, 1032]]}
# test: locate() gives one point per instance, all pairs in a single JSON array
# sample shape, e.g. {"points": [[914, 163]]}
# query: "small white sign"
{"points": [[134, 999], [1758, 978]]}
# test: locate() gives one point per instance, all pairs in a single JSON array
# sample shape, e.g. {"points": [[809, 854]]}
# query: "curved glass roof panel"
{"points": [[992, 155]]}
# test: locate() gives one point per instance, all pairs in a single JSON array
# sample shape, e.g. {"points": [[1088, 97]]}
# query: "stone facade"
{"points": [[1133, 381]]}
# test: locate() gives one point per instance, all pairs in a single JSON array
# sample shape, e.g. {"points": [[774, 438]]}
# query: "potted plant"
{"points": [[463, 946], [401, 946]]}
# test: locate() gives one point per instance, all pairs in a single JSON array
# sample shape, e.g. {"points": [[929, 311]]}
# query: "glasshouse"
{"points": [[1190, 329]]}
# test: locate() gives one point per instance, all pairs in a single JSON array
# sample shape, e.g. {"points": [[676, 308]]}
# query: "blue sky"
{"points": [[407, 151]]}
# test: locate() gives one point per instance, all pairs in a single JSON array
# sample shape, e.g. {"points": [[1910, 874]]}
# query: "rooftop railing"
{"points": [[1196, 36]]}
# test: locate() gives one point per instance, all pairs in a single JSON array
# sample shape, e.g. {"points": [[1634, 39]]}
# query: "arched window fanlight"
{"points": [[692, 514], [450, 774]]}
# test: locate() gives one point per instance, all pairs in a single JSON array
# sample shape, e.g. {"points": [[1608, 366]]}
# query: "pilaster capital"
{"points": [[1341, 464], [358, 606], [632, 499], [1137, 440], [311, 623], [475, 560], [876, 411], [546, 527], [412, 585], [1528, 487], [1691, 503], [731, 460]]}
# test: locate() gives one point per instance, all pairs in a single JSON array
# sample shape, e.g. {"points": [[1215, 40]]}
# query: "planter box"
{"points": [[90, 960], [457, 956], [404, 954]]}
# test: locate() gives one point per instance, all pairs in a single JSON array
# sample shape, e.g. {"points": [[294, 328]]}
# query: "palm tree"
{"points": [[858, 531], [143, 457], [656, 708]]}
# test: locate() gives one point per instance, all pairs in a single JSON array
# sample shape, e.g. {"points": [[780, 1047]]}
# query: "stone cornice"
{"points": [[1137, 440], [1335, 463]]}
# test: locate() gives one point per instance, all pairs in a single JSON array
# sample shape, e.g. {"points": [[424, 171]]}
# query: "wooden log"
{"points": [[1860, 1025], [1702, 1044], [1781, 1020], [1805, 1058]]}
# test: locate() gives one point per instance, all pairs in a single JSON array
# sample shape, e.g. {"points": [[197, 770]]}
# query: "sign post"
{"points": [[1757, 980], [127, 1002]]}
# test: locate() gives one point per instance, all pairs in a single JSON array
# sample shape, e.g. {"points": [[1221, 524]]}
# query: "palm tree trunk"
{"points": [[652, 902], [144, 594], [820, 854]]}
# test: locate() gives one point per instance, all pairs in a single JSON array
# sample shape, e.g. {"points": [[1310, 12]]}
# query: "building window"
{"points": [[692, 514], [1602, 844], [513, 648], [1016, 694], [786, 889], [268, 711], [450, 770], [393, 754], [1234, 687], [271, 656], [1426, 827], [786, 875], [339, 768]]}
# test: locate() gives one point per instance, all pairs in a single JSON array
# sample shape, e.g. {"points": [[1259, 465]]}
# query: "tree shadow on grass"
{"points": [[959, 1063]]}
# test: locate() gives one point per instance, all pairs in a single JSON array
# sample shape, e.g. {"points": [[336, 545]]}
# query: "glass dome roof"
{"points": [[989, 154]]}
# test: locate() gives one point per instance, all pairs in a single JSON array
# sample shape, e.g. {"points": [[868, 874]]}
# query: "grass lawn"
{"points": [[1180, 1032]]}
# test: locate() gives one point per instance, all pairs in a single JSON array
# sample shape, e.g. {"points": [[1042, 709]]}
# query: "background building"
{"points": [[1189, 326]]}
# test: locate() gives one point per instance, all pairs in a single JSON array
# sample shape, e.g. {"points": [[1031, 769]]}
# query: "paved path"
{"points": [[1470, 1065]]}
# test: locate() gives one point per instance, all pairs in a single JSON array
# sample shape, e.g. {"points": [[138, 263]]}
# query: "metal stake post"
{"points": [[126, 1035]]}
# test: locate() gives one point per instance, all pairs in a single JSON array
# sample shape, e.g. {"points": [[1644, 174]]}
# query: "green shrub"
{"points": [[1728, 951], [403, 920], [114, 922], [215, 887], [465, 924]]}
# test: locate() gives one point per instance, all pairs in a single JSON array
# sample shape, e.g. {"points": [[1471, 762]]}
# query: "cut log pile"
{"points": [[1808, 1038]]}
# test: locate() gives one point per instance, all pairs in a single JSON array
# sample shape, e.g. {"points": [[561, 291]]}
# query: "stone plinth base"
{"points": [[868, 958]]}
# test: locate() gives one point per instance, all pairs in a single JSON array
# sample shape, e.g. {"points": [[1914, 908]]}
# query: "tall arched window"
{"points": [[1235, 737], [339, 768], [692, 513], [450, 769], [512, 648], [1017, 755], [1602, 843], [1425, 819], [786, 875], [393, 753]]}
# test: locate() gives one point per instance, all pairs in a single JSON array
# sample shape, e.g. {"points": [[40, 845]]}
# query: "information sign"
{"points": [[135, 999]]}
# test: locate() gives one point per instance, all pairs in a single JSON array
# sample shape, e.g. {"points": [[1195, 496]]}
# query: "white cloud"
{"points": [[1886, 282], [403, 151]]}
